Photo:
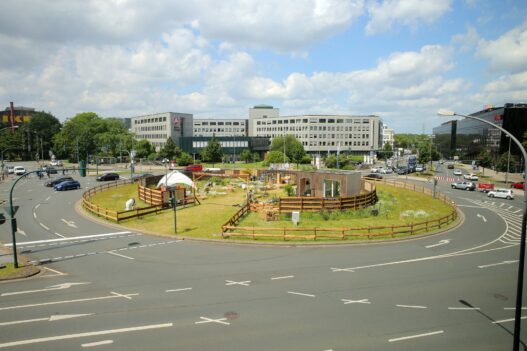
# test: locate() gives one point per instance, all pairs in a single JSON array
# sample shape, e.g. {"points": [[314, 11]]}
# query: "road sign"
{"points": [[7, 210]]}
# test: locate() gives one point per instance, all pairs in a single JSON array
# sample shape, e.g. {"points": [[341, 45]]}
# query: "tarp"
{"points": [[174, 178]]}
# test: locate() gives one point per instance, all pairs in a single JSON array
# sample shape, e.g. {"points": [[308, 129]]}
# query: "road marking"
{"points": [[482, 217], [54, 271], [416, 336], [113, 296], [83, 335], [56, 317], [123, 256], [34, 215], [20, 231], [513, 308], [49, 288], [301, 294], [410, 306], [37, 206], [65, 239], [498, 264], [464, 308], [47, 198], [508, 320], [363, 301], [58, 234], [43, 226], [210, 320], [244, 283], [176, 290], [69, 223], [98, 343], [342, 270], [121, 295], [441, 242], [284, 277]]}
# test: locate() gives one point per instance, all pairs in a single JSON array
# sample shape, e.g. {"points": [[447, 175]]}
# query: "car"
{"points": [[373, 175], [107, 176], [56, 163], [457, 172], [464, 186], [518, 185], [420, 168], [194, 168], [49, 170], [401, 170], [375, 170], [142, 175], [67, 185], [19, 170], [53, 182], [10, 169], [501, 193], [470, 176], [450, 166], [386, 171]]}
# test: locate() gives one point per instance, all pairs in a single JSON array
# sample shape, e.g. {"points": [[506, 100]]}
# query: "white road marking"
{"points": [[244, 283], [210, 320], [513, 308], [98, 343], [37, 206], [58, 234], [464, 308], [121, 295], [363, 301], [20, 231], [34, 215], [49, 288], [83, 335], [342, 270], [508, 320], [56, 317], [498, 264], [416, 336], [47, 198], [284, 277], [123, 256], [64, 239], [482, 217], [410, 306], [176, 290], [43, 226], [441, 242], [69, 223], [301, 294], [54, 271], [113, 296]]}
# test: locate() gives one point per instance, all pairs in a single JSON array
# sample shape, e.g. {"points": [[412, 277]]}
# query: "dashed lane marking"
{"points": [[300, 294], [416, 336], [119, 255]]}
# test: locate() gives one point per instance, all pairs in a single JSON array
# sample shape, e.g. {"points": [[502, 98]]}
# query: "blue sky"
{"points": [[401, 60]]}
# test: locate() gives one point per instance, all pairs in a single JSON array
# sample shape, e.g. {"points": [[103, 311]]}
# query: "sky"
{"points": [[399, 59]]}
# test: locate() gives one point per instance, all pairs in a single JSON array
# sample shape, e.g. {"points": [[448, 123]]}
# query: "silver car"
{"points": [[501, 193]]}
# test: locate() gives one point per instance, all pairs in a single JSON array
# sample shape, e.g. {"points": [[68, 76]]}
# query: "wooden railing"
{"points": [[230, 229], [151, 196], [316, 204], [246, 208]]}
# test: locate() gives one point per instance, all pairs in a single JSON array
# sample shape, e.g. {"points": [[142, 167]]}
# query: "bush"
{"points": [[289, 190], [218, 180]]}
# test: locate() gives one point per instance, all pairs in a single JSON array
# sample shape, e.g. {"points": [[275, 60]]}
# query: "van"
{"points": [[194, 168]]}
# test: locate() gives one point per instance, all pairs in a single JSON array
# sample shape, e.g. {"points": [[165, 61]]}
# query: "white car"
{"points": [[386, 171], [375, 170], [19, 170], [501, 193], [56, 163], [457, 172], [470, 176]]}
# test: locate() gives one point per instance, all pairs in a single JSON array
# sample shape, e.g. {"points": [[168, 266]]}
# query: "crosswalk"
{"points": [[512, 216]]}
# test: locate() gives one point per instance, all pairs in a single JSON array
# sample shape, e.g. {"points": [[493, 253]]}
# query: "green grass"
{"points": [[395, 207], [24, 270]]}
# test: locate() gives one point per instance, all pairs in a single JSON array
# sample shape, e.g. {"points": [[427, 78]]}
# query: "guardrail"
{"points": [[230, 229]]}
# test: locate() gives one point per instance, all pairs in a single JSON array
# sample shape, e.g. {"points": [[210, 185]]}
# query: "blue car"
{"points": [[67, 185]]}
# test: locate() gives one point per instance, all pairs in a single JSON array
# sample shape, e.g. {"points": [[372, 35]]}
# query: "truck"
{"points": [[485, 187]]}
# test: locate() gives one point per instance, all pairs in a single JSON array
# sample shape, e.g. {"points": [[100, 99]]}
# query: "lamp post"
{"points": [[508, 161], [521, 264]]}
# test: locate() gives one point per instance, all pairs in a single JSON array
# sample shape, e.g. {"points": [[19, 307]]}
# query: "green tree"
{"points": [[212, 152], [168, 150], [255, 157], [246, 156], [184, 159], [504, 160], [387, 151], [143, 149], [294, 149], [485, 159], [277, 157], [45, 126]]}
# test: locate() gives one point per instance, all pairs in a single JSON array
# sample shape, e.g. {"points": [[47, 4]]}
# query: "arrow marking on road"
{"points": [[69, 223], [441, 242], [498, 264], [49, 288], [57, 317], [20, 231], [482, 217]]}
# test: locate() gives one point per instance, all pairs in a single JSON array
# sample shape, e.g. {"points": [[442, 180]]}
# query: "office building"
{"points": [[157, 128]]}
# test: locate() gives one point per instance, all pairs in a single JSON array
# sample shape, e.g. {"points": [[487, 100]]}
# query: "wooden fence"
{"points": [[316, 204], [151, 196], [230, 229]]}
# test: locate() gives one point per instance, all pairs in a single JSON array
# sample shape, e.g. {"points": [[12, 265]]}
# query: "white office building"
{"points": [[224, 127], [388, 136], [157, 128]]}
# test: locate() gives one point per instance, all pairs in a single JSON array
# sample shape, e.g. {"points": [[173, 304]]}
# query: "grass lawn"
{"points": [[395, 207], [24, 270]]}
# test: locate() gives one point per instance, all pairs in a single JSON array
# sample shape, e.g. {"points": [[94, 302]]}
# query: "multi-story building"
{"points": [[224, 127], [466, 137], [157, 128], [388, 136]]}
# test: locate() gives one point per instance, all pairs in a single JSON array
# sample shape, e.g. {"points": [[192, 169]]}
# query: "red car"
{"points": [[518, 185]]}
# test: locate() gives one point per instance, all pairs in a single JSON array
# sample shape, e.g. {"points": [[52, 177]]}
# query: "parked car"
{"points": [[450, 166], [470, 176], [194, 168], [420, 168], [485, 187], [67, 185], [518, 185], [375, 169], [19, 170], [49, 170], [402, 170], [501, 193], [464, 186], [53, 182], [457, 172], [56, 163], [386, 171], [107, 176], [10, 169], [373, 175]]}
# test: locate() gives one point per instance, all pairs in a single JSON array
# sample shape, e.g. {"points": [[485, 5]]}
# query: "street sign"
{"points": [[7, 210]]}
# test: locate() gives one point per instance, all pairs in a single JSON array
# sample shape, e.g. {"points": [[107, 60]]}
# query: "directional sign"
{"points": [[7, 210]]}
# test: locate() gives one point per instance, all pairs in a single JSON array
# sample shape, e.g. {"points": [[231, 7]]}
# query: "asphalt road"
{"points": [[110, 289]]}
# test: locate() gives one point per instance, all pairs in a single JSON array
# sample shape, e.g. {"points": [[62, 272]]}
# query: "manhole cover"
{"points": [[231, 315], [501, 297]]}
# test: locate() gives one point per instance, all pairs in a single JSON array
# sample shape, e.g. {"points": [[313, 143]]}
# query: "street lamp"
{"points": [[508, 161], [521, 264]]}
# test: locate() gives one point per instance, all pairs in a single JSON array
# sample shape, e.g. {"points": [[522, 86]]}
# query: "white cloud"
{"points": [[411, 13], [508, 52], [507, 88]]}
